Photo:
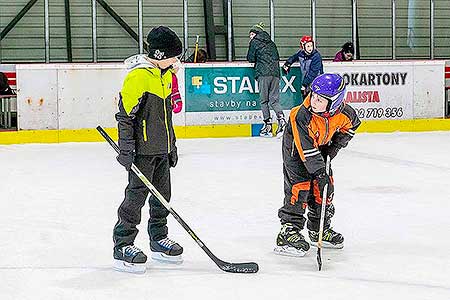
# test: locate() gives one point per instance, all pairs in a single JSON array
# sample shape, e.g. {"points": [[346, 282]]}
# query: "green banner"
{"points": [[210, 89]]}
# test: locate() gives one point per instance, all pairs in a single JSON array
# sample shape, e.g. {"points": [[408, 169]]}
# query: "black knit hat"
{"points": [[163, 43], [348, 48]]}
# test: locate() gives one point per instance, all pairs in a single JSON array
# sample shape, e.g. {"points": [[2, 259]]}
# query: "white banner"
{"points": [[381, 92]]}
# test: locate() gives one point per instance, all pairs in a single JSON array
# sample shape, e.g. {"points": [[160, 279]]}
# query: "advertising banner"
{"points": [[230, 94], [380, 92]]}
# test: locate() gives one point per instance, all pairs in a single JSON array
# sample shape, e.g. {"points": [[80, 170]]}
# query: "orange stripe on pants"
{"points": [[316, 192], [296, 188]]}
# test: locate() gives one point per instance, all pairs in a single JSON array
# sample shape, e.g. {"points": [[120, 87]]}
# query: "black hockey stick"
{"points": [[322, 215], [249, 267]]}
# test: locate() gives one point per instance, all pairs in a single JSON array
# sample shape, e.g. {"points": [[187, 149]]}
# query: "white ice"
{"points": [[59, 202]]}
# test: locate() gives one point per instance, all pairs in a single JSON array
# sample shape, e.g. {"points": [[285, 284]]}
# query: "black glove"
{"points": [[329, 150], [173, 157], [333, 150], [322, 180], [305, 90], [126, 158], [286, 68]]}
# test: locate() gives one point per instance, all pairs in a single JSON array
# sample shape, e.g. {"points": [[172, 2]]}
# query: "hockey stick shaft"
{"points": [[322, 215], [225, 266]]}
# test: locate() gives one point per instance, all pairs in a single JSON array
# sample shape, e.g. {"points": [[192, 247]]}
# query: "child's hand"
{"points": [[177, 106]]}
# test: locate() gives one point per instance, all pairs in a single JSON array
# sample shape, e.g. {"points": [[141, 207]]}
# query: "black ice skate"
{"points": [[266, 130], [330, 239], [129, 259], [166, 250], [290, 242], [281, 126]]}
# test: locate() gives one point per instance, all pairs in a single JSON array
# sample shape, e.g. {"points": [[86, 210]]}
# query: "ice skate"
{"points": [[290, 242], [281, 126], [129, 259], [331, 239], [266, 130], [166, 250]]}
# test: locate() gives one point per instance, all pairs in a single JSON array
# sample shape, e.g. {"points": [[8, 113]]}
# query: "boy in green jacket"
{"points": [[147, 139]]}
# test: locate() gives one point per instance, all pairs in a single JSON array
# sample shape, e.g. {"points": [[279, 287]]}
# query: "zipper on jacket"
{"points": [[326, 131], [165, 115], [144, 129], [292, 148]]}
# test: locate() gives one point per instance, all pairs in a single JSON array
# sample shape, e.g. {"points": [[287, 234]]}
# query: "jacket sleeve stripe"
{"points": [[295, 132]]}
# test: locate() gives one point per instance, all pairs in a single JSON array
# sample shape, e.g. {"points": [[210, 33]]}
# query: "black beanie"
{"points": [[163, 43], [348, 48]]}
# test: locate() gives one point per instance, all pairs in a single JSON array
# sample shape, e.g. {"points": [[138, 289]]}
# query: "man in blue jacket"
{"points": [[310, 63]]}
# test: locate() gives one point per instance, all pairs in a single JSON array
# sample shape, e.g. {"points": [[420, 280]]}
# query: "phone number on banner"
{"points": [[379, 112]]}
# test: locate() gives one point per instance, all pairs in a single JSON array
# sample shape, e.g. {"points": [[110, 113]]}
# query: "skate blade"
{"points": [[328, 245], [288, 251], [279, 135], [266, 135], [164, 258], [123, 266]]}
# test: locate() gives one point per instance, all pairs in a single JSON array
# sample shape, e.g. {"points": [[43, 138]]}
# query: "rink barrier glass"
{"points": [[211, 131]]}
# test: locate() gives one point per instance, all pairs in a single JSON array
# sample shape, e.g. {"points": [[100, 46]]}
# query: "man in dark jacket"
{"points": [[310, 63], [147, 139], [264, 53]]}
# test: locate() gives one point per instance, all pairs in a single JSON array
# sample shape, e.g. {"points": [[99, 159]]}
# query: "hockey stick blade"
{"points": [[319, 258], [250, 267]]}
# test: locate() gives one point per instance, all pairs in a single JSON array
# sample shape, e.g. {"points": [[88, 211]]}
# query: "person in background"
{"points": [[5, 89], [347, 52], [310, 63], [264, 54], [202, 57]]}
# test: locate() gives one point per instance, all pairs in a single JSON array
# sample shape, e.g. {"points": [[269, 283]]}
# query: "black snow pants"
{"points": [[301, 191], [156, 169]]}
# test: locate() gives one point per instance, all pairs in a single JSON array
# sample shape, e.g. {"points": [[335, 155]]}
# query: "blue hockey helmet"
{"points": [[331, 87]]}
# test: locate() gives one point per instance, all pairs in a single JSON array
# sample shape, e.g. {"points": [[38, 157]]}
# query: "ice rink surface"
{"points": [[59, 202]]}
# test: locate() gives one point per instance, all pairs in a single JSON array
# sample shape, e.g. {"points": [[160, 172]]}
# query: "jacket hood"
{"points": [[304, 54], [138, 61], [262, 36]]}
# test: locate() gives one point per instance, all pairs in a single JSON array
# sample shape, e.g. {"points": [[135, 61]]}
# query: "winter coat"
{"points": [[306, 132], [264, 53], [311, 65], [145, 110]]}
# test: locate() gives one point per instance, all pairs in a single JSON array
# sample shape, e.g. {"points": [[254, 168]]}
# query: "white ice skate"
{"points": [[164, 258], [129, 259], [167, 251], [289, 251], [123, 266], [331, 239]]}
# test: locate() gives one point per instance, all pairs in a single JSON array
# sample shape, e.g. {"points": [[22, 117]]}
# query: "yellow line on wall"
{"points": [[405, 125], [207, 131]]}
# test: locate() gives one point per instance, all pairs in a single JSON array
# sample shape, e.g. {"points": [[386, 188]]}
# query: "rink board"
{"points": [[65, 102], [212, 131]]}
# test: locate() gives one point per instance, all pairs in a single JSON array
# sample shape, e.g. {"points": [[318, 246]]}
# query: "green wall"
{"points": [[25, 42]]}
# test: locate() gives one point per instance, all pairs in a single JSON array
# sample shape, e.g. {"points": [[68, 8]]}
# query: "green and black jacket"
{"points": [[145, 112]]}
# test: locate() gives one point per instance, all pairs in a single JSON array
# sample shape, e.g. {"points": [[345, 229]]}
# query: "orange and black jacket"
{"points": [[307, 133]]}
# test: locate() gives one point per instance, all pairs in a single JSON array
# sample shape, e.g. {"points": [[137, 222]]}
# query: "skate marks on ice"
{"points": [[378, 189], [397, 161]]}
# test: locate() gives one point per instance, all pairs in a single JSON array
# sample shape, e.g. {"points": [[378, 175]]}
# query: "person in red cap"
{"points": [[310, 63], [147, 140]]}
